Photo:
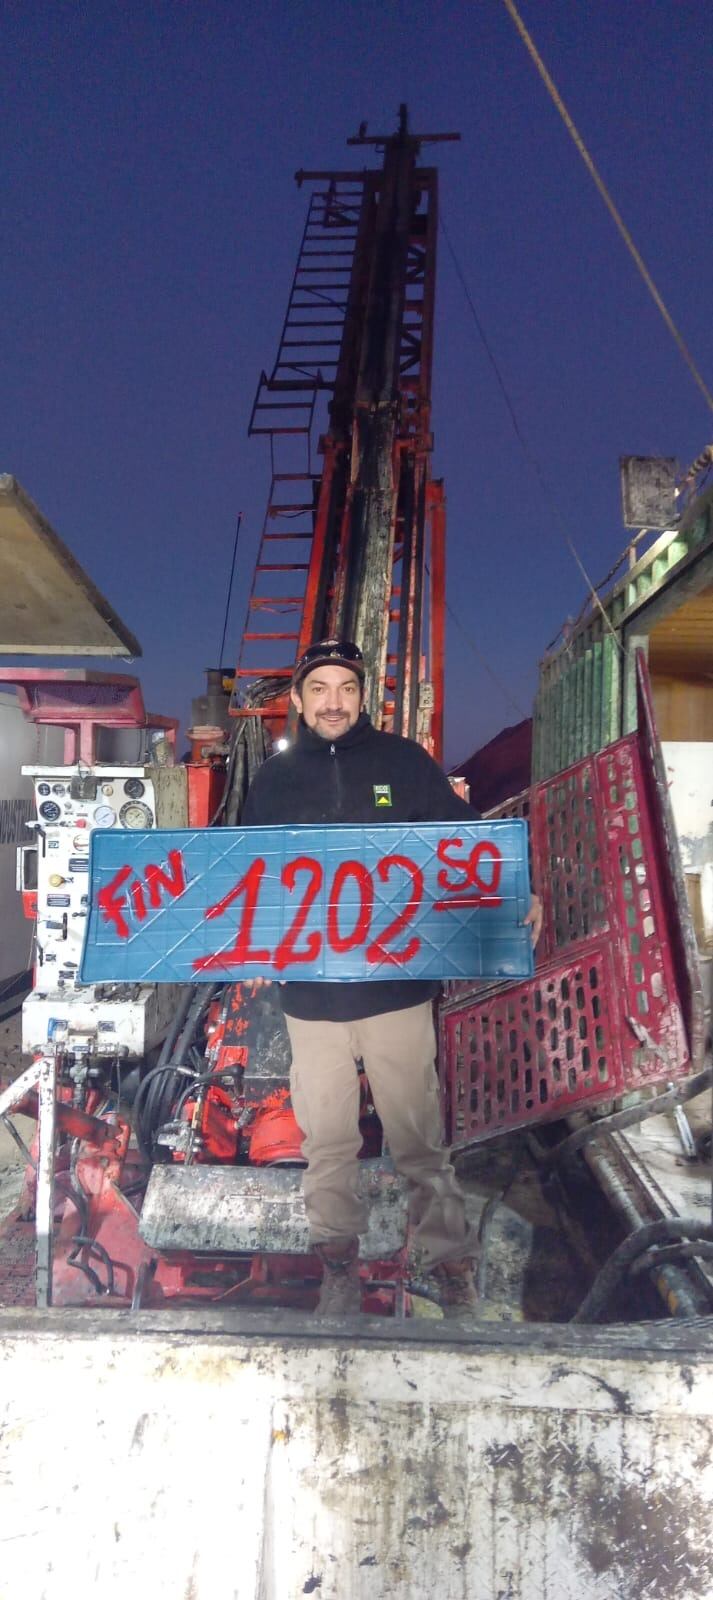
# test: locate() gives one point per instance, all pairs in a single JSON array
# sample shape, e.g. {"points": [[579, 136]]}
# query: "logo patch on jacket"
{"points": [[382, 794]]}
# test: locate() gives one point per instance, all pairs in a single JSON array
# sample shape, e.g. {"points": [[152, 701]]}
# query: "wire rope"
{"points": [[230, 588], [528, 453], [614, 213]]}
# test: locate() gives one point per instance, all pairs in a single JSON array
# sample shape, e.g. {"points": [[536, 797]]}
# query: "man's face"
{"points": [[329, 699]]}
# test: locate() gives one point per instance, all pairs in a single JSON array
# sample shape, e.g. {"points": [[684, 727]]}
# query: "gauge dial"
{"points": [[104, 816], [43, 788], [58, 788], [49, 810], [134, 788], [135, 815]]}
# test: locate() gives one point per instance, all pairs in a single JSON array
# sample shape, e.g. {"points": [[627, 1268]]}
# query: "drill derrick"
{"points": [[354, 369]]}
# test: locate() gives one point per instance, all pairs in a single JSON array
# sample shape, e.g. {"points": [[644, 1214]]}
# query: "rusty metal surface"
{"points": [[648, 491], [235, 1209]]}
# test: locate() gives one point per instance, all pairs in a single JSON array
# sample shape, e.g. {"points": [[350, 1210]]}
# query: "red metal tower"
{"points": [[357, 548]]}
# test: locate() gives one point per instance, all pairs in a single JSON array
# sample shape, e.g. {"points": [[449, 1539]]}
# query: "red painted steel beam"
{"points": [[436, 504]]}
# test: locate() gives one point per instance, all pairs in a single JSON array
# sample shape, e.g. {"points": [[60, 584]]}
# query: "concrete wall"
{"points": [[258, 1456]]}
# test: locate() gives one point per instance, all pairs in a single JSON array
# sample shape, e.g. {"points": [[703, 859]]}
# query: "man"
{"points": [[337, 769]]}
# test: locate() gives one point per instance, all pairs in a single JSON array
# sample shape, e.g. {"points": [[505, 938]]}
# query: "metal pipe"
{"points": [[677, 1289], [44, 1204]]}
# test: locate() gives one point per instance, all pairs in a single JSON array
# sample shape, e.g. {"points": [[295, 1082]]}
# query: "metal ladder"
{"points": [[284, 409]]}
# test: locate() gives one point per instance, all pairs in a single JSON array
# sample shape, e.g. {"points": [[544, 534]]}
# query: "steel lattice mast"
{"points": [[357, 548]]}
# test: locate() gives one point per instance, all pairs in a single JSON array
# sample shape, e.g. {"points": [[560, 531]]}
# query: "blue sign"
{"points": [[335, 903]]}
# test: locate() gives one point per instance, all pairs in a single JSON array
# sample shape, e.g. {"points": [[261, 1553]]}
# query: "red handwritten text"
{"points": [[112, 899], [470, 889]]}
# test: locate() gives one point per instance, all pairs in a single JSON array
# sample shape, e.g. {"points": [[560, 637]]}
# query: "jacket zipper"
{"points": [[337, 779]]}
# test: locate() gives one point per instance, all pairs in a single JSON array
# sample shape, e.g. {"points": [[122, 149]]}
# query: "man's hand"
{"points": [[534, 918]]}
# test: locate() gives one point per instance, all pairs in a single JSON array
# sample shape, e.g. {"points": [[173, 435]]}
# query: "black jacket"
{"points": [[316, 780]]}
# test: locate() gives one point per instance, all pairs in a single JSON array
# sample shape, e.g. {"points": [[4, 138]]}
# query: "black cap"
{"points": [[329, 652]]}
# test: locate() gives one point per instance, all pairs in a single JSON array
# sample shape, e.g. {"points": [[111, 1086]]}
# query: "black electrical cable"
{"points": [[81, 1241], [230, 588], [615, 1269], [89, 1273]]}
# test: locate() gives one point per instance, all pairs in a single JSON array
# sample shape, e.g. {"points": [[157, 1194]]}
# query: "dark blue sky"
{"points": [[150, 227]]}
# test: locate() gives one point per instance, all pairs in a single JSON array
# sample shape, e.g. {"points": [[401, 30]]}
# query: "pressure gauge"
{"points": [[135, 815], [43, 788], [134, 788], [58, 788], [104, 816], [49, 810]]}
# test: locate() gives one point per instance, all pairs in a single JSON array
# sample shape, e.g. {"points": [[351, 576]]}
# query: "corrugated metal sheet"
{"points": [[583, 701]]}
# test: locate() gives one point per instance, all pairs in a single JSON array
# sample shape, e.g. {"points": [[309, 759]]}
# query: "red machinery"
{"points": [[358, 548]]}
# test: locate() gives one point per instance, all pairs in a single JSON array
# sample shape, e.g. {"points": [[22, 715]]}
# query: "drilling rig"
{"points": [[355, 549], [352, 543], [354, 1457]]}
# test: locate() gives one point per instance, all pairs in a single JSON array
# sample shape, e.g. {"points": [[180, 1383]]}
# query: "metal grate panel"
{"points": [[533, 1051], [596, 861], [604, 1013]]}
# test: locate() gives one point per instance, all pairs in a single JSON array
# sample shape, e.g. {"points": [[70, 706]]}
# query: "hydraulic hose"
{"points": [[159, 1090], [621, 1259]]}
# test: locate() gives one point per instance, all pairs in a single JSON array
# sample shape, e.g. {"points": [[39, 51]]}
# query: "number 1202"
{"points": [[346, 929]]}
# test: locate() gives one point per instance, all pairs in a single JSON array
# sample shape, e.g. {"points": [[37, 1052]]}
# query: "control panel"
{"points": [[70, 803]]}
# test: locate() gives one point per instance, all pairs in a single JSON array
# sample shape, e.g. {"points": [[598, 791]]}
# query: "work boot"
{"points": [[340, 1292], [456, 1285]]}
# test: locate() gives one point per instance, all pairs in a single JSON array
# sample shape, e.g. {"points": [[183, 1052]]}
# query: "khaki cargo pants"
{"points": [[398, 1049]]}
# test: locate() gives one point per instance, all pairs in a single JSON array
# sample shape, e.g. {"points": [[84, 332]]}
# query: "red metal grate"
{"points": [[532, 1051], [611, 1006], [595, 857]]}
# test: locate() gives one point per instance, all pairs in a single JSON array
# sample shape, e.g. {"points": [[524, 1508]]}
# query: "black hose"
{"points": [[89, 1273], [176, 1025], [81, 1241], [616, 1268], [158, 1091], [146, 1116], [661, 1255]]}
